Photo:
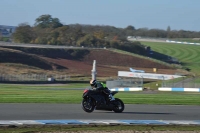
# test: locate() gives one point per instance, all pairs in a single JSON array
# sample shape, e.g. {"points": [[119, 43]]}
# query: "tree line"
{"points": [[49, 30]]}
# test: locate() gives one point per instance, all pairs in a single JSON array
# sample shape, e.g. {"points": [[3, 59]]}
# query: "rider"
{"points": [[100, 86]]}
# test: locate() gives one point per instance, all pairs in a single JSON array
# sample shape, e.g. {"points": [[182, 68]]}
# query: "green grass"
{"points": [[44, 86], [197, 80], [189, 55], [64, 94], [102, 128], [40, 93]]}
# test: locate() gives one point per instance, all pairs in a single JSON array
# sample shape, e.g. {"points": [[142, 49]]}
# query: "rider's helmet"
{"points": [[93, 83]]}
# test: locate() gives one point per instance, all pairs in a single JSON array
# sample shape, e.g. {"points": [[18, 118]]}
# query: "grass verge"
{"points": [[96, 128], [73, 94]]}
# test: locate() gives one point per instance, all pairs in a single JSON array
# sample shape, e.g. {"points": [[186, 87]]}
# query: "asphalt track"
{"points": [[31, 111]]}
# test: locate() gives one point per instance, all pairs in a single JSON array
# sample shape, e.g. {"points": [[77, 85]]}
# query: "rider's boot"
{"points": [[111, 98]]}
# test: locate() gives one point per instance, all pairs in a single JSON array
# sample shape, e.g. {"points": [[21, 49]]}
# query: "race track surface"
{"points": [[28, 111]]}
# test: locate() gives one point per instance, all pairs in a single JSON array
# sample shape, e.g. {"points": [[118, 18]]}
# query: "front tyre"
{"points": [[88, 105], [118, 106]]}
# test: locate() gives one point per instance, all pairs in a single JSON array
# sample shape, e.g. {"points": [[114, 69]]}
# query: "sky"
{"points": [[151, 14]]}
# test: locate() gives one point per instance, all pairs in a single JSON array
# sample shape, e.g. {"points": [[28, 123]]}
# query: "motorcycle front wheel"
{"points": [[118, 105], [88, 105]]}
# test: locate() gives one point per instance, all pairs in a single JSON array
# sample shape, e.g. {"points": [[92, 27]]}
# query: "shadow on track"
{"points": [[155, 113]]}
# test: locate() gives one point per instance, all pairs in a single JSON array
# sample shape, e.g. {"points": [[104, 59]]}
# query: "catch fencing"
{"points": [[184, 82], [34, 77], [132, 82]]}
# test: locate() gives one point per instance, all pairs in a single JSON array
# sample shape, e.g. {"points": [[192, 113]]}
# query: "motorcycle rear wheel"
{"points": [[118, 105], [88, 105]]}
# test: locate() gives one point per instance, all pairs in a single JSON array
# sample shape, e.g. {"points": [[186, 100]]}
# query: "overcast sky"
{"points": [[178, 14]]}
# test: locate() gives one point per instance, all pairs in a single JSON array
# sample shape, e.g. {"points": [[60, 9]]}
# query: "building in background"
{"points": [[6, 31]]}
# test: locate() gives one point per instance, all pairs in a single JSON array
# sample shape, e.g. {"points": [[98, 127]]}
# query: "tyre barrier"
{"points": [[160, 89], [127, 89], [180, 89]]}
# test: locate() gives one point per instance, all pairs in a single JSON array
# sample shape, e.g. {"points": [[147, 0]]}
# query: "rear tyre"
{"points": [[118, 106], [88, 105]]}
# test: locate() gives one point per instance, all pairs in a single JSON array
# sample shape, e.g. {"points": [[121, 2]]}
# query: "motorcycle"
{"points": [[93, 100]]}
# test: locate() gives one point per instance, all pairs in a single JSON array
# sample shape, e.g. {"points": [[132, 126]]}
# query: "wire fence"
{"points": [[133, 82], [34, 77], [184, 82], [183, 85]]}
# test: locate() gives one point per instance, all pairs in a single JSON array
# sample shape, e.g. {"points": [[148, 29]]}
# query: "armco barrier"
{"points": [[127, 89], [180, 89], [105, 122]]}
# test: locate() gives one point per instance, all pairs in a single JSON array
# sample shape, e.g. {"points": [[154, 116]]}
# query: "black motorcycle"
{"points": [[93, 100]]}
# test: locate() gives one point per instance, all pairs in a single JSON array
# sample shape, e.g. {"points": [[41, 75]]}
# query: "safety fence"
{"points": [[183, 85], [133, 82], [184, 82], [34, 77]]}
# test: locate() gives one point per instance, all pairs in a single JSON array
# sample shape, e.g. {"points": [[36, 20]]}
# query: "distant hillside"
{"points": [[187, 55], [74, 61]]}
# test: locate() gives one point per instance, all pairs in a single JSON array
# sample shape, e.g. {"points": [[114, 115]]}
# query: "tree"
{"points": [[129, 30], [46, 21], [63, 36], [168, 31], [1, 35], [23, 33], [130, 27], [157, 33], [55, 23], [88, 40], [99, 34]]}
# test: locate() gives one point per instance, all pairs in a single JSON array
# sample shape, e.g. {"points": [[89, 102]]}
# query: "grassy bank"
{"points": [[188, 55], [72, 93]]}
